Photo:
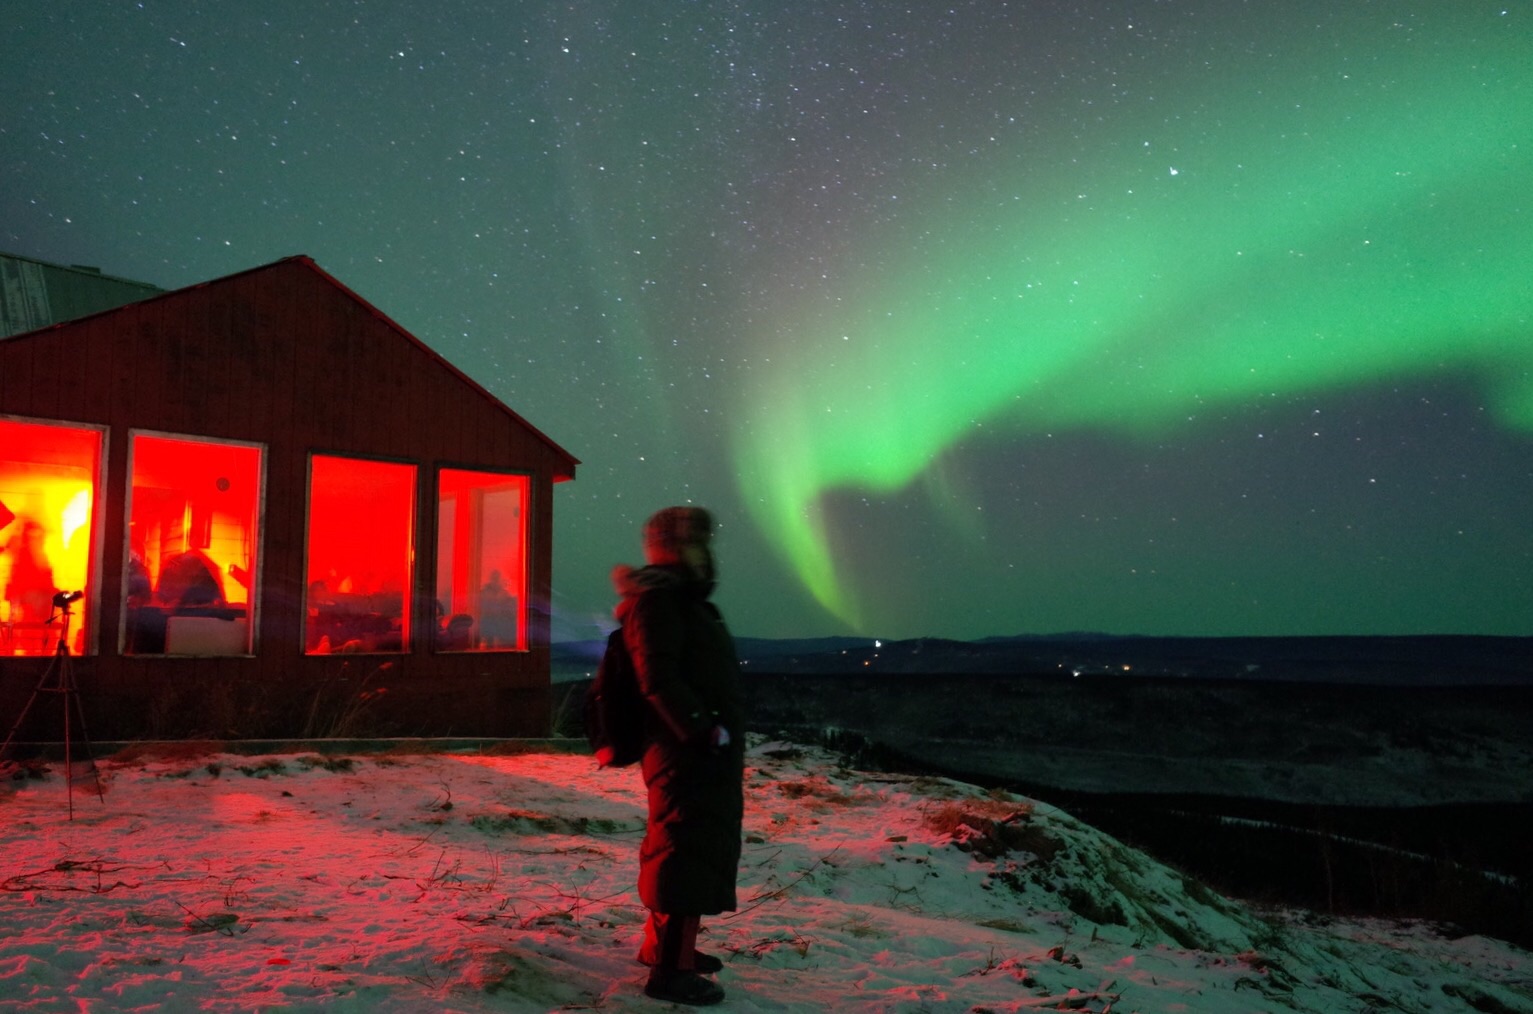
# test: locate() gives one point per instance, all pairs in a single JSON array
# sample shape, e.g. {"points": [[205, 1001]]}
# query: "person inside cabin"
{"points": [[29, 588], [497, 613], [321, 617], [190, 580], [146, 624], [140, 584]]}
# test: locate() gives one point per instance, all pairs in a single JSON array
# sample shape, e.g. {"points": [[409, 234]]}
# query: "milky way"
{"points": [[967, 319]]}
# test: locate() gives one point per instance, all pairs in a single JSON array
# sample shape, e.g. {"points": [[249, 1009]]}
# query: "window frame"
{"points": [[88, 634], [523, 615], [254, 596], [411, 606]]}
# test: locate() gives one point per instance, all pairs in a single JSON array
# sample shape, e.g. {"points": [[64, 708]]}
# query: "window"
{"points": [[361, 521], [193, 531], [481, 558], [50, 476]]}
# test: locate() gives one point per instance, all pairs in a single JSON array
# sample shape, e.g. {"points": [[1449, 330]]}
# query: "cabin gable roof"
{"points": [[286, 340]]}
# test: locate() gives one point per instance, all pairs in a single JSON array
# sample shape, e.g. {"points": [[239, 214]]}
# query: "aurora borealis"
{"points": [[966, 319]]}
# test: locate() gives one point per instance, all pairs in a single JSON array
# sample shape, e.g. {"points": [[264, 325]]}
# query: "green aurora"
{"points": [[1304, 228], [966, 318]]}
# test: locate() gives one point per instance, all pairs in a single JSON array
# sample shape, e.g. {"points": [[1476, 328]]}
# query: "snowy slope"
{"points": [[477, 882]]}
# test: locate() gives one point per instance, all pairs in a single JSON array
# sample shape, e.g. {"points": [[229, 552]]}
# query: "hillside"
{"points": [[409, 881]]}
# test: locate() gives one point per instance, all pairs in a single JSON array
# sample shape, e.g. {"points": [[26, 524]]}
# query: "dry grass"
{"points": [[991, 827]]}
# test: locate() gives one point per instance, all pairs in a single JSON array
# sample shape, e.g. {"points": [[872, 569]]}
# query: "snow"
{"points": [[420, 880]]}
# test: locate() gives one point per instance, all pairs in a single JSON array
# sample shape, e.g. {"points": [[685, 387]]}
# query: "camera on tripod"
{"points": [[59, 678]]}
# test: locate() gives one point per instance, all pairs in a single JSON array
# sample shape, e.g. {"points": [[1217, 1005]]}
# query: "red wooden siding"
{"points": [[287, 357]]}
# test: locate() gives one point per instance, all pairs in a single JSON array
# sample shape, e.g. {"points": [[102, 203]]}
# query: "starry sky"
{"points": [[966, 318]]}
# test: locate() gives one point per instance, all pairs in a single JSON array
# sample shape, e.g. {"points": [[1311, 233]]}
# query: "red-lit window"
{"points": [[50, 477], [481, 560], [193, 532], [361, 520]]}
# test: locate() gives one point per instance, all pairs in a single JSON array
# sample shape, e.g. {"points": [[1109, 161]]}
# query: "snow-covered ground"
{"points": [[434, 881]]}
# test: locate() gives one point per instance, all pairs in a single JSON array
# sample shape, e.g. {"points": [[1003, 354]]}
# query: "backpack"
{"points": [[614, 708]]}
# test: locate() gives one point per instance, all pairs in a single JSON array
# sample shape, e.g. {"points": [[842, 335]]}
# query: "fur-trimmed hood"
{"points": [[631, 582]]}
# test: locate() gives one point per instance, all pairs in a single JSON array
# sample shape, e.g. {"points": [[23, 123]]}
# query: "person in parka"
{"points": [[694, 758]]}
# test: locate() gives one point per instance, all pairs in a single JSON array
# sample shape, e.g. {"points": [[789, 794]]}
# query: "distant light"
{"points": [[877, 643]]}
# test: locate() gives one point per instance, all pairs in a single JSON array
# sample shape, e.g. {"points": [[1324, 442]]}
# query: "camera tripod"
{"points": [[59, 678]]}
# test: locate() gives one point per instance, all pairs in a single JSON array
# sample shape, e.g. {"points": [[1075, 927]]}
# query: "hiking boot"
{"points": [[684, 987], [704, 964]]}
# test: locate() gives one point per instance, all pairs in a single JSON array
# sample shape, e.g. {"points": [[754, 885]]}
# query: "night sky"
{"points": [[966, 318]]}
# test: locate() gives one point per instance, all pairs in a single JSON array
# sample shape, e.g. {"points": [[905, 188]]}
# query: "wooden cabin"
{"points": [[258, 508]]}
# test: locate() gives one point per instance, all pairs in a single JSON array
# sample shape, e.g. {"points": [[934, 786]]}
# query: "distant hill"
{"points": [[1425, 660]]}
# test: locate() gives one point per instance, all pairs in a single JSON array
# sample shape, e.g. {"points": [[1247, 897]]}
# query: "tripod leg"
{"points": [[73, 708], [63, 683], [69, 768], [90, 756]]}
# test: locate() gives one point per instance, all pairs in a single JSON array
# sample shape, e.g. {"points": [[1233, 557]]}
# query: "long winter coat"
{"points": [[688, 672]]}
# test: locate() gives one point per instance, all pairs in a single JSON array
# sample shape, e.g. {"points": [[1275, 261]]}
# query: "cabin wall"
{"points": [[285, 358]]}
